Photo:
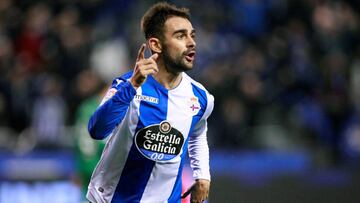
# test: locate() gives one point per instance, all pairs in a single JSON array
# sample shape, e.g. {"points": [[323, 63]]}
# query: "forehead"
{"points": [[175, 23]]}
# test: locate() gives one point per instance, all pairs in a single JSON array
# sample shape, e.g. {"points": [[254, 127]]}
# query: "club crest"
{"points": [[194, 105]]}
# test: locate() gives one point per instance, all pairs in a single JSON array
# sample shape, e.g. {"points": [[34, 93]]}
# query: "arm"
{"points": [[112, 110], [199, 157], [199, 162]]}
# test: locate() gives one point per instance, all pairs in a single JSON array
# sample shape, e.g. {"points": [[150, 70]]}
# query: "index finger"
{"points": [[141, 54]]}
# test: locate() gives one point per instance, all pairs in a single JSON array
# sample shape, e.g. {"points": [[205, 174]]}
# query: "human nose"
{"points": [[191, 42]]}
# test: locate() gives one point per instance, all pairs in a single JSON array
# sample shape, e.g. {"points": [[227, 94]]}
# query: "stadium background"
{"points": [[285, 75]]}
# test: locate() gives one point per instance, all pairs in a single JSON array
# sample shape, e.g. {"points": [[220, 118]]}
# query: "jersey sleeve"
{"points": [[112, 109], [198, 145]]}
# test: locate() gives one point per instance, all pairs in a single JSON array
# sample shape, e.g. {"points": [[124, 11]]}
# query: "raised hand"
{"points": [[143, 67]]}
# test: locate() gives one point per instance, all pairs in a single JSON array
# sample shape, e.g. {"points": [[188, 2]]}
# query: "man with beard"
{"points": [[153, 115]]}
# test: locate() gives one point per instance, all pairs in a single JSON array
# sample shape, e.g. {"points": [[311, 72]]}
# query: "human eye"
{"points": [[180, 36]]}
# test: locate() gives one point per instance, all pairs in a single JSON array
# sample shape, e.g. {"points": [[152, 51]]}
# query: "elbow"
{"points": [[94, 135], [94, 132]]}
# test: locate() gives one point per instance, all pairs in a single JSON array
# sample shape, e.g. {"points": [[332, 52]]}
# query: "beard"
{"points": [[175, 64]]}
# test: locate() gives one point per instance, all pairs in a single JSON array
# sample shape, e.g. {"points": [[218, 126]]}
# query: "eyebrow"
{"points": [[184, 31]]}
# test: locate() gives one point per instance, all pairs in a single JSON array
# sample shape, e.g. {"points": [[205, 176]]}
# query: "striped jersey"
{"points": [[149, 131]]}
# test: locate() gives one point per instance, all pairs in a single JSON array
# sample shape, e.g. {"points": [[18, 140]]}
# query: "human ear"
{"points": [[155, 45]]}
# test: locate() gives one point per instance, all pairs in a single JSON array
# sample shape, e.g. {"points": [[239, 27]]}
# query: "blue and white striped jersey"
{"points": [[150, 129]]}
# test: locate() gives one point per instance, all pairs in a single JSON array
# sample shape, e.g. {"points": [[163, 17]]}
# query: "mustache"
{"points": [[191, 50]]}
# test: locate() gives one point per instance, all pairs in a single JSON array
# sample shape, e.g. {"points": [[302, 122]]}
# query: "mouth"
{"points": [[190, 56]]}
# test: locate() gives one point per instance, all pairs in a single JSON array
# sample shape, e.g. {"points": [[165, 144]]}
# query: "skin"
{"points": [[171, 56]]}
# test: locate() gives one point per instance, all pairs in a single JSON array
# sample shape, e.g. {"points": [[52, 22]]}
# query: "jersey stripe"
{"points": [[166, 175], [175, 196], [201, 95], [137, 168]]}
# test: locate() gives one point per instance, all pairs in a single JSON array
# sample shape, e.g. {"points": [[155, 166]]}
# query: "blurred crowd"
{"points": [[285, 74]]}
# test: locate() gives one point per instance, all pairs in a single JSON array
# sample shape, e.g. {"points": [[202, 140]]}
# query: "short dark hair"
{"points": [[153, 21]]}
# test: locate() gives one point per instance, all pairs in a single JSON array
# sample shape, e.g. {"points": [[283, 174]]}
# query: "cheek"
{"points": [[176, 47], [174, 52]]}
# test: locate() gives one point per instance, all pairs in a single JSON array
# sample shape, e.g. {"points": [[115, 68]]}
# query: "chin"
{"points": [[188, 66]]}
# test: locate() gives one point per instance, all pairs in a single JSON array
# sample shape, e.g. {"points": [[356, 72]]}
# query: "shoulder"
{"points": [[199, 88], [121, 79], [194, 83]]}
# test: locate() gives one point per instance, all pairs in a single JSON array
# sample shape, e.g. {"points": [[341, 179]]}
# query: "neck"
{"points": [[168, 79]]}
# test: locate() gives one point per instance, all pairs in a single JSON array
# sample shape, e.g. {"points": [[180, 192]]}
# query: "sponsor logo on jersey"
{"points": [[194, 105], [159, 142], [147, 98]]}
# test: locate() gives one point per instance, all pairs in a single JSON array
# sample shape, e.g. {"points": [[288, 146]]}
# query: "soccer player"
{"points": [[153, 115]]}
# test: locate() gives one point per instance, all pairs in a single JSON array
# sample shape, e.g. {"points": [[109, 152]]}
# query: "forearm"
{"points": [[199, 157]]}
